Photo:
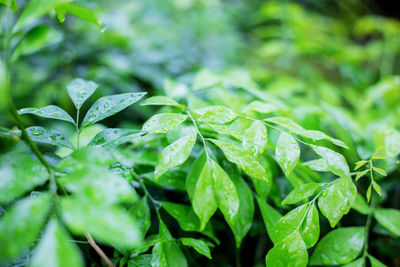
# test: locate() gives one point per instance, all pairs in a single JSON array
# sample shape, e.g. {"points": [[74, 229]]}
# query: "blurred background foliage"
{"points": [[330, 65]]}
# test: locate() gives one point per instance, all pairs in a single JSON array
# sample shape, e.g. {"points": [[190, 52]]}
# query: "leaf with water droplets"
{"points": [[140, 212], [204, 202], [51, 112], [336, 162], [375, 262], [175, 154], [241, 157], [225, 192], [336, 200], [318, 165], [142, 260], [390, 219], [113, 137], [215, 114], [255, 139], [80, 90], [309, 229], [48, 136], [78, 11], [297, 129], [21, 225], [199, 245], [269, 214], [163, 122], [291, 251], [161, 101], [19, 173], [287, 153], [108, 106], [55, 249], [106, 223], [302, 192], [339, 246]]}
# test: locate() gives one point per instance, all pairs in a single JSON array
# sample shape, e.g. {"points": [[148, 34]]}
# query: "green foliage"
{"points": [[247, 108]]}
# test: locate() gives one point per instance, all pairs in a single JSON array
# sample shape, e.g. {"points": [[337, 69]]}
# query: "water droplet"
{"points": [[337, 247], [171, 148], [324, 194], [263, 137]]}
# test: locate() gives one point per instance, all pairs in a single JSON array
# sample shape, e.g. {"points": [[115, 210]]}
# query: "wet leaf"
{"points": [[269, 214], [51, 112], [140, 212], [302, 192], [287, 153], [48, 136], [161, 101], [199, 245], [309, 229], [77, 11], [318, 165], [79, 90], [113, 137], [390, 219], [163, 122], [215, 114], [255, 139], [336, 162]]}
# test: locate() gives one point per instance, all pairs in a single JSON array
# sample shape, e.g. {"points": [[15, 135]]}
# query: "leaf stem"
{"points": [[368, 226], [199, 133], [77, 128]]}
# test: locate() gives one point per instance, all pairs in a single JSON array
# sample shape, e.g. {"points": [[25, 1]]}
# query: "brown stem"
{"points": [[98, 250]]}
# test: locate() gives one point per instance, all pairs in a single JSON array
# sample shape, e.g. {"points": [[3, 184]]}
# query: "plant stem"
{"points": [[368, 226], [98, 250], [199, 133], [77, 129]]}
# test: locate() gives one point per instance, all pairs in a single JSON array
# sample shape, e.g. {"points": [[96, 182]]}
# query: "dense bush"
{"points": [[246, 135]]}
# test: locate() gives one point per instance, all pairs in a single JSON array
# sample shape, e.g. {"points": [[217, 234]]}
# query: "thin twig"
{"points": [[98, 250]]}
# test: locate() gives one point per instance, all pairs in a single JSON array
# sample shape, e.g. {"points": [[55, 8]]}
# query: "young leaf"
{"points": [[309, 230], [269, 214], [175, 154], [302, 192], [80, 90], [368, 195], [361, 174], [36, 39], [287, 153], [48, 136], [380, 171], [21, 225], [375, 262], [376, 187], [77, 11], [113, 137], [224, 192], [215, 114], [163, 122], [34, 10], [19, 174], [56, 249], [360, 163], [297, 129], [335, 161], [199, 245], [390, 219], [288, 223], [140, 212], [291, 251], [108, 106], [161, 101], [204, 202], [255, 139], [108, 224], [240, 157], [339, 246], [337, 199], [51, 112]]}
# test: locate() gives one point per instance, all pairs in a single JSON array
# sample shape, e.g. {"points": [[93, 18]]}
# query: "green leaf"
{"points": [[113, 137], [77, 11], [269, 214], [194, 174], [360, 163], [48, 136], [34, 10], [337, 199], [375, 262], [255, 139], [21, 225], [80, 90], [357, 263], [318, 165], [390, 219], [10, 3], [242, 158], [339, 246], [376, 187], [205, 79], [175, 154], [225, 192], [199, 245], [297, 129], [369, 192], [336, 162], [108, 106], [51, 112], [161, 101], [236, 128], [260, 107], [287, 153], [204, 202], [108, 224], [288, 223], [98, 184], [244, 217], [19, 173], [55, 249], [302, 192], [361, 205], [140, 212], [361, 174], [36, 39], [291, 251], [380, 171], [142, 260], [309, 230], [215, 114], [163, 122]]}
